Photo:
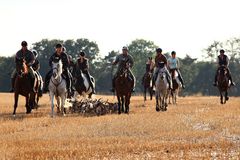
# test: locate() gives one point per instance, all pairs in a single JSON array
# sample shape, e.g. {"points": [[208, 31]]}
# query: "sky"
{"points": [[186, 26]]}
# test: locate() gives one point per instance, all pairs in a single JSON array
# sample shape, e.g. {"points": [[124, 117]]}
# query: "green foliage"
{"points": [[197, 75]]}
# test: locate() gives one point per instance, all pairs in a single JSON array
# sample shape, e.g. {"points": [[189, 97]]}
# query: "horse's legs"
{"points": [[28, 104], [58, 104], [144, 93], [226, 96], [123, 103], [52, 103], [221, 97], [127, 102], [15, 103], [119, 105], [63, 104], [150, 92], [157, 103]]}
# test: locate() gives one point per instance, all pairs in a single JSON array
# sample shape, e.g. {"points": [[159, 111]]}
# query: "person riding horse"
{"points": [[173, 64], [28, 56], [149, 68], [223, 60], [36, 67], [160, 58], [123, 60], [57, 55], [82, 64]]}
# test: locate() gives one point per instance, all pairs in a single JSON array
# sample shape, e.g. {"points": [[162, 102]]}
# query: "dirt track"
{"points": [[197, 128]]}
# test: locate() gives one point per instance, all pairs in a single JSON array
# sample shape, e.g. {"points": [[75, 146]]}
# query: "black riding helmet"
{"points": [[58, 45], [222, 51], [173, 52], [24, 44], [82, 53], [159, 50]]}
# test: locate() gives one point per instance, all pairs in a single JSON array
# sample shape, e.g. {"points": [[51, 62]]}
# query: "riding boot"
{"points": [[232, 83], [12, 84], [169, 82]]}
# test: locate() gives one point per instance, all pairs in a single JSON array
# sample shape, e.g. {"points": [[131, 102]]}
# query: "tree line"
{"points": [[198, 75]]}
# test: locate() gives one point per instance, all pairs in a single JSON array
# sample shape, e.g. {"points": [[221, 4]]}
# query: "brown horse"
{"points": [[223, 84], [176, 85], [123, 86], [23, 87], [147, 84]]}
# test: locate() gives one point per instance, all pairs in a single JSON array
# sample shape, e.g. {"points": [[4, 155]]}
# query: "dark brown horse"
{"points": [[123, 87], [23, 87], [223, 84], [147, 85]]}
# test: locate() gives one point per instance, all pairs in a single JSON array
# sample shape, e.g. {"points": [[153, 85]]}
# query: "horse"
{"points": [[22, 86], [123, 88], [82, 85], [223, 84], [57, 87], [162, 90], [147, 84], [175, 88]]}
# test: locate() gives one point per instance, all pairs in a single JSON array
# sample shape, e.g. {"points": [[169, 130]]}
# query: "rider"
{"points": [[121, 60], [57, 55], [29, 57], [82, 64], [160, 58], [149, 68], [173, 64], [222, 60], [36, 67]]}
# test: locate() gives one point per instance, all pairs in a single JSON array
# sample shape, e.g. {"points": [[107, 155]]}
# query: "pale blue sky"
{"points": [[186, 26]]}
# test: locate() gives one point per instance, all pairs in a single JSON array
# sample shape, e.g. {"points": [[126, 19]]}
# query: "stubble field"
{"points": [[195, 128]]}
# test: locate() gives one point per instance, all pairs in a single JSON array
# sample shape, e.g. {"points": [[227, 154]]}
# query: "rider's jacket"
{"points": [[223, 60], [173, 63], [63, 56], [83, 66], [27, 55], [160, 58], [122, 59]]}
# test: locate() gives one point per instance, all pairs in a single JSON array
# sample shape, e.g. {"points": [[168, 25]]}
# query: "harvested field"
{"points": [[195, 128]]}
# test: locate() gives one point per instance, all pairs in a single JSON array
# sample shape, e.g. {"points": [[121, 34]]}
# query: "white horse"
{"points": [[176, 87], [57, 87], [162, 90]]}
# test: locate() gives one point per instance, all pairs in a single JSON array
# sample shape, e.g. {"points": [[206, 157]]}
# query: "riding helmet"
{"points": [[159, 50], [82, 53], [24, 44], [222, 51], [173, 52], [59, 45], [125, 48]]}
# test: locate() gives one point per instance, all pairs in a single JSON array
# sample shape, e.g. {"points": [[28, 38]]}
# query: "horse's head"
{"points": [[57, 68], [21, 67], [162, 74], [222, 71]]}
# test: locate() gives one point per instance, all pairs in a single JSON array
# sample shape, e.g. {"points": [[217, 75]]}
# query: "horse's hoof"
{"points": [[221, 102], [227, 98], [157, 109], [119, 112], [14, 115]]}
